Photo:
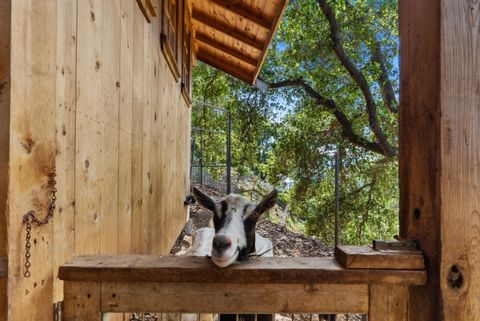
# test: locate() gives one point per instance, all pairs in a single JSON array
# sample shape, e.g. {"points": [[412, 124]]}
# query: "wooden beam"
{"points": [[143, 8], [365, 257], [250, 16], [234, 298], [419, 160], [152, 7], [459, 155], [275, 23], [82, 301], [229, 69], [227, 30], [229, 51], [388, 302], [3, 266], [188, 269]]}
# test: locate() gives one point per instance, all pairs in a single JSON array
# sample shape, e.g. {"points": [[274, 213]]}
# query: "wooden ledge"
{"points": [[189, 269], [365, 257]]}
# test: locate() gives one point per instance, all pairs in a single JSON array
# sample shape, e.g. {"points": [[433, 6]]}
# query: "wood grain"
{"points": [[66, 77], [388, 303], [365, 257], [80, 74], [5, 28], [82, 301], [234, 298], [143, 268], [419, 144], [460, 159], [32, 150], [245, 27]]}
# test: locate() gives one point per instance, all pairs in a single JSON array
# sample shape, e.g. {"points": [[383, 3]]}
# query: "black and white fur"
{"points": [[234, 220]]}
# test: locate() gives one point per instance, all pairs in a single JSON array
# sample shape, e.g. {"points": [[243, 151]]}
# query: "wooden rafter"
{"points": [[271, 33], [200, 37], [227, 30], [229, 69], [152, 7], [233, 8]]}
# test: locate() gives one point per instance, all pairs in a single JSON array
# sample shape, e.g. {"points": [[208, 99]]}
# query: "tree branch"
{"points": [[331, 106], [359, 79], [386, 87]]}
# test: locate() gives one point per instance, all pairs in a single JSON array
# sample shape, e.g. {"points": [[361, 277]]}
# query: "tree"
{"points": [[332, 86]]}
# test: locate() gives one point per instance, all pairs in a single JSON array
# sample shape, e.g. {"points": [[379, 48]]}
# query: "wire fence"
{"points": [[211, 152]]}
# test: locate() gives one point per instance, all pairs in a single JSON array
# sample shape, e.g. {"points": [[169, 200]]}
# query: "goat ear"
{"points": [[265, 204], [203, 199]]}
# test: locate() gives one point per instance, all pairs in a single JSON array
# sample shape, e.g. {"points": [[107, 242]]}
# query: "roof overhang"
{"points": [[234, 35]]}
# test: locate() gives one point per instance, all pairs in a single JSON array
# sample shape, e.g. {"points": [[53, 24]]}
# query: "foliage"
{"points": [[333, 78]]}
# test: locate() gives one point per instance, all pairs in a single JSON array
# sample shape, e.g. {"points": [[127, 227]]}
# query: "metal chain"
{"points": [[31, 218]]}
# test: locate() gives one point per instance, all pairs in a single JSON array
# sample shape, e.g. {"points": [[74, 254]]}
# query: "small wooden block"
{"points": [[3, 266], [365, 257]]}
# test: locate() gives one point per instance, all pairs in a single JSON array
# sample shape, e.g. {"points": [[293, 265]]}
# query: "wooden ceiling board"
{"points": [[223, 57], [236, 33]]}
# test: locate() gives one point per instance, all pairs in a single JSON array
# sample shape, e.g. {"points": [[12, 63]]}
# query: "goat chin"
{"points": [[223, 263]]}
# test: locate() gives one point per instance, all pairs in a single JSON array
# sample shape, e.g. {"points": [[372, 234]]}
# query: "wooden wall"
{"points": [[91, 96]]}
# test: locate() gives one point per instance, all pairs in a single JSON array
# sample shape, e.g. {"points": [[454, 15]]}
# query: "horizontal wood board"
{"points": [[365, 257], [291, 270], [234, 298]]}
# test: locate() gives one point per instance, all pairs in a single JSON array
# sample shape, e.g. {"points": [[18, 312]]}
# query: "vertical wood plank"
{"points": [[460, 159], [146, 138], [110, 73], [419, 142], [161, 161], [88, 158], [154, 218], [5, 27], [64, 228], [32, 155], [137, 128], [82, 301], [388, 303], [126, 130]]}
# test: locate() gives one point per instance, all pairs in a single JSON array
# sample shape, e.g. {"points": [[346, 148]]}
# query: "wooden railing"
{"points": [[101, 284]]}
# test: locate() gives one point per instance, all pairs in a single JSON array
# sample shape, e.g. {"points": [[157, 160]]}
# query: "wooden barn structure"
{"points": [[94, 104]]}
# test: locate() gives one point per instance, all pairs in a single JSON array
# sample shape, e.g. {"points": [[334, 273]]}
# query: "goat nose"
{"points": [[221, 242]]}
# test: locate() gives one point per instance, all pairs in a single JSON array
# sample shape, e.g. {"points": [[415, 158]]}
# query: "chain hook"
{"points": [[31, 218]]}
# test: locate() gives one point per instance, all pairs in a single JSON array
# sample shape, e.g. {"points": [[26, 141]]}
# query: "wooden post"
{"points": [[388, 302], [439, 152], [5, 27], [82, 301]]}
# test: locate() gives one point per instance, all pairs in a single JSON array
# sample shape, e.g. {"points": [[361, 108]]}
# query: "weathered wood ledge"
{"points": [[188, 269]]}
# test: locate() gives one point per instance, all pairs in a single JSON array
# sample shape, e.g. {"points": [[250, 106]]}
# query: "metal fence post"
{"points": [[337, 197], [229, 152]]}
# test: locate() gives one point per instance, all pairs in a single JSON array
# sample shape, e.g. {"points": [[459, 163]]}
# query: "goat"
{"points": [[234, 220]]}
